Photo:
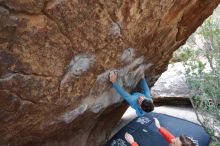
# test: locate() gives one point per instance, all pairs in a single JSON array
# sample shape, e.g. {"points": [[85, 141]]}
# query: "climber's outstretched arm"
{"points": [[118, 88], [145, 87], [122, 92]]}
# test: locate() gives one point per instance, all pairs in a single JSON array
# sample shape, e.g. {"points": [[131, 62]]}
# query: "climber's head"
{"points": [[146, 105]]}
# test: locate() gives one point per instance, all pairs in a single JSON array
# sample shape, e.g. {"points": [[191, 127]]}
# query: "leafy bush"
{"points": [[201, 60]]}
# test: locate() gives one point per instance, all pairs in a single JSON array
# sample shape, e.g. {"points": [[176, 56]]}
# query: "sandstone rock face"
{"points": [[55, 56], [171, 87]]}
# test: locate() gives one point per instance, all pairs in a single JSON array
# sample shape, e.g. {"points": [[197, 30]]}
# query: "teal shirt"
{"points": [[132, 99]]}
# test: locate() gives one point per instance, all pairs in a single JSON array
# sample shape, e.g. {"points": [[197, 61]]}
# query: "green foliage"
{"points": [[204, 84], [215, 143]]}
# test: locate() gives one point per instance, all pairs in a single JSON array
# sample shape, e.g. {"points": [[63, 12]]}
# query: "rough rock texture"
{"points": [[171, 87], [55, 56]]}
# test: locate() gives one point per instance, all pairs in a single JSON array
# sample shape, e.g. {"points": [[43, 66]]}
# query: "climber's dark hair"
{"points": [[147, 106], [186, 141]]}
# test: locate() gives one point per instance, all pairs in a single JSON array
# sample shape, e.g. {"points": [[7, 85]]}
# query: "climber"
{"points": [[182, 140], [141, 102]]}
